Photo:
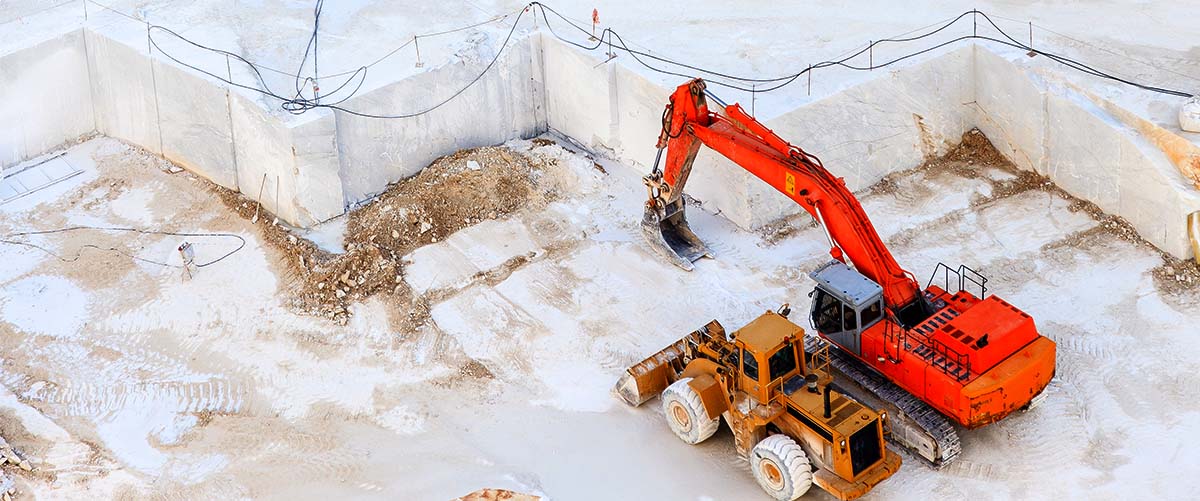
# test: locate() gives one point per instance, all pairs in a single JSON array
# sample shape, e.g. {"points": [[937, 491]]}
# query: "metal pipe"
{"points": [[417, 45], [1194, 233], [715, 98], [828, 410], [828, 236]]}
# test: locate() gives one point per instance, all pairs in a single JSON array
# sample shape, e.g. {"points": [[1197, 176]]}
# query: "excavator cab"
{"points": [[845, 303]]}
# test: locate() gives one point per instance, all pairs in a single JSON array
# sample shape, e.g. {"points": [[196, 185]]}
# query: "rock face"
{"points": [[1189, 115], [9, 455]]}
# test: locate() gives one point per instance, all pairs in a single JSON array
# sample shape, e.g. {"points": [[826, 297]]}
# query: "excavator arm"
{"points": [[688, 122]]}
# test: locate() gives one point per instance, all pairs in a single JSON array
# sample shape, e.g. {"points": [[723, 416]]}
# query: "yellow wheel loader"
{"points": [[787, 420]]}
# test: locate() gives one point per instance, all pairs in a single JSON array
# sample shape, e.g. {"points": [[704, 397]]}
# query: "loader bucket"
{"points": [[668, 234], [651, 376], [633, 394]]}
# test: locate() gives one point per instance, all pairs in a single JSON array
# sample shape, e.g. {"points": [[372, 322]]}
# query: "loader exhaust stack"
{"points": [[828, 408], [665, 228]]}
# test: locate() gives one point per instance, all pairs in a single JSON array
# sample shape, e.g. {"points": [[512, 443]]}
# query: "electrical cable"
{"points": [[297, 106], [298, 103], [611, 36], [6, 239]]}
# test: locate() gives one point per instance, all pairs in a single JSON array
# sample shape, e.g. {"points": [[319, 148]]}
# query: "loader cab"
{"points": [[845, 303], [769, 353]]}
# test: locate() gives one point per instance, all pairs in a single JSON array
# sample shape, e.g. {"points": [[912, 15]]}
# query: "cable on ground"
{"points": [[7, 239]]}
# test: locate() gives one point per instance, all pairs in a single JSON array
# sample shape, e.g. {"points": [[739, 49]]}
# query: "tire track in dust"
{"points": [[310, 452], [1048, 436], [79, 466], [1088, 345], [82, 399], [136, 374], [607, 216]]}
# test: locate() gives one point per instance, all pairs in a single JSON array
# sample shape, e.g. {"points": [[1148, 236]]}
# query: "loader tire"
{"points": [[686, 414], [781, 467]]}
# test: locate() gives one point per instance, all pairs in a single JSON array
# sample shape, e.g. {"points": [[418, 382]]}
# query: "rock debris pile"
{"points": [[454, 192]]}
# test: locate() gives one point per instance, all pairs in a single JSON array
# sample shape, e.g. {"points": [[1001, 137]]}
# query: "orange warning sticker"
{"points": [[789, 183]]}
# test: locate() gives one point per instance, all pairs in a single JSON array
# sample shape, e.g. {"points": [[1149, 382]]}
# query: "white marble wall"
{"points": [[45, 98], [317, 165], [1089, 147]]}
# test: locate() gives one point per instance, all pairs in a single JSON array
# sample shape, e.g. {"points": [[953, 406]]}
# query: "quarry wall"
{"points": [[863, 133], [503, 105], [47, 98], [1089, 147], [313, 167], [305, 169], [887, 124]]}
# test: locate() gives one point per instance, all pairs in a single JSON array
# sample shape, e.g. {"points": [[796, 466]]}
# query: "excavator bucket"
{"points": [[668, 234]]}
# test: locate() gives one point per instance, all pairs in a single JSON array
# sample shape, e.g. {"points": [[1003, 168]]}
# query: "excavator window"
{"points": [[833, 316], [749, 365], [782, 362], [849, 319], [828, 316], [872, 313]]}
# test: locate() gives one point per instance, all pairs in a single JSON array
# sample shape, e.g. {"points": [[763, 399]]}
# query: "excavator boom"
{"points": [[688, 123]]}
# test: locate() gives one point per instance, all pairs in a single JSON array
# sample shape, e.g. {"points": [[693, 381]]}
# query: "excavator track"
{"points": [[915, 425]]}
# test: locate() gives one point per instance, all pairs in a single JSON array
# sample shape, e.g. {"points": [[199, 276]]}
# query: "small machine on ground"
{"points": [[930, 356], [787, 420]]}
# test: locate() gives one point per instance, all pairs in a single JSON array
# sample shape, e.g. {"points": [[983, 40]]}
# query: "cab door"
{"points": [[750, 374], [836, 321]]}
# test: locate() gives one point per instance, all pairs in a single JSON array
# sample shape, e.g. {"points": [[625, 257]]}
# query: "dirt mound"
{"points": [[974, 148], [496, 495], [1177, 276], [454, 192]]}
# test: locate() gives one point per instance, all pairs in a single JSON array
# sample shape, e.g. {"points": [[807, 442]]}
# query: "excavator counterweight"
{"points": [[930, 354]]}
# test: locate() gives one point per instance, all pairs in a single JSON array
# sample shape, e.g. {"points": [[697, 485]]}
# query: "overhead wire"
{"points": [[297, 104], [260, 66], [787, 79], [355, 79], [608, 36]]}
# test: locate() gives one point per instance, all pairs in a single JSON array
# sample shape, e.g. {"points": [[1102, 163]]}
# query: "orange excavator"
{"points": [[930, 356]]}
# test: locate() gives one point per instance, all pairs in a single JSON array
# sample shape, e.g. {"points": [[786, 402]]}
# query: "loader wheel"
{"points": [[781, 467], [686, 414]]}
